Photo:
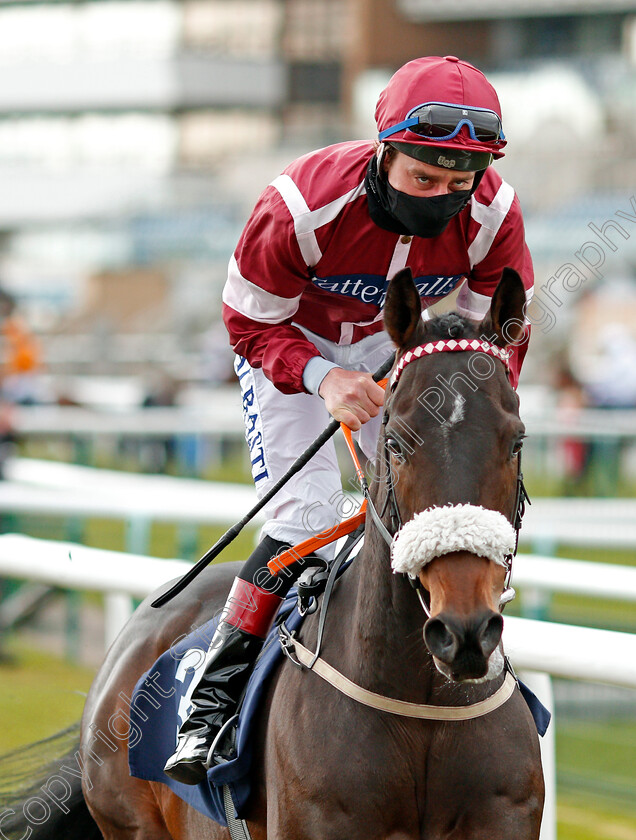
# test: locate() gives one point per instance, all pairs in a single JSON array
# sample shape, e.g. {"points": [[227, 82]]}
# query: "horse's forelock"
{"points": [[450, 325]]}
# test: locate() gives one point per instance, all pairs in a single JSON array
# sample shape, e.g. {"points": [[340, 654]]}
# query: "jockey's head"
{"points": [[442, 111], [439, 127]]}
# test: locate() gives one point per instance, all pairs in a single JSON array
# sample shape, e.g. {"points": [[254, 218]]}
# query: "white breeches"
{"points": [[280, 427]]}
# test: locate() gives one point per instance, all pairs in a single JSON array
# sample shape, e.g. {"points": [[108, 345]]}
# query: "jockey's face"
{"points": [[413, 177]]}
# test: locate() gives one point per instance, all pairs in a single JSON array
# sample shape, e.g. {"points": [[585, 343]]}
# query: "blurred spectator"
{"points": [[575, 451], [157, 453], [217, 356], [615, 384], [613, 388], [7, 435], [162, 391], [19, 367], [21, 360]]}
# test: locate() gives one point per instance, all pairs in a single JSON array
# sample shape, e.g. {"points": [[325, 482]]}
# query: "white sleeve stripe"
{"points": [[490, 217], [298, 208], [473, 305], [307, 221], [322, 215], [255, 303], [529, 296], [292, 196]]}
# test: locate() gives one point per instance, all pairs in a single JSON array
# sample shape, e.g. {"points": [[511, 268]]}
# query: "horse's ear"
{"points": [[504, 324], [402, 308]]}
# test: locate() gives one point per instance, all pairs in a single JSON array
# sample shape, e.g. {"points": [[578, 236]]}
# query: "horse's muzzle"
{"points": [[462, 647]]}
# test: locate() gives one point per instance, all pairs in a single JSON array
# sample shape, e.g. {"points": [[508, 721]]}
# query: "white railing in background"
{"points": [[50, 488], [109, 414], [220, 420], [573, 652], [59, 489], [219, 415], [575, 577], [55, 488]]}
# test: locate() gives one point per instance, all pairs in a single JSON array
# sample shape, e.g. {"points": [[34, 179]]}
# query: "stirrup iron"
{"points": [[311, 584], [216, 757]]}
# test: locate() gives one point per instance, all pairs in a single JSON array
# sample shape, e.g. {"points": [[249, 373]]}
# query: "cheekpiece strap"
{"points": [[449, 346]]}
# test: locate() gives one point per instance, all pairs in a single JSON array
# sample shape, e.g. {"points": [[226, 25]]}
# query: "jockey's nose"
{"points": [[465, 645]]}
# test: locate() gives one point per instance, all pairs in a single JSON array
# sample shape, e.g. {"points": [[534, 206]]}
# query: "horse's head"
{"points": [[451, 440]]}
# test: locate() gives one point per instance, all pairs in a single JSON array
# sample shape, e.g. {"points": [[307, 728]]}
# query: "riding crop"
{"points": [[235, 530]]}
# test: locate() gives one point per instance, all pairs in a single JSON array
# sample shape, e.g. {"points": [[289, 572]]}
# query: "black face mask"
{"points": [[410, 214], [425, 216]]}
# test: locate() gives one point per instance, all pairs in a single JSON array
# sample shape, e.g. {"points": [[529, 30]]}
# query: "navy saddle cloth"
{"points": [[161, 700], [160, 703]]}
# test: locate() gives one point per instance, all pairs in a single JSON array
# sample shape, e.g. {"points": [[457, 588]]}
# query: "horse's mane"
{"points": [[450, 325]]}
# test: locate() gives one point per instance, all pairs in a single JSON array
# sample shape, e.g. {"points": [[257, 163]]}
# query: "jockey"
{"points": [[303, 307]]}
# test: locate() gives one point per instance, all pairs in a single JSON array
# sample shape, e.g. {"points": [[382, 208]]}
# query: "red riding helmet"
{"points": [[442, 111]]}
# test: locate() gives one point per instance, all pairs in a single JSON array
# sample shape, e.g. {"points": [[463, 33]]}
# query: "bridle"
{"points": [[447, 346], [304, 658], [390, 501]]}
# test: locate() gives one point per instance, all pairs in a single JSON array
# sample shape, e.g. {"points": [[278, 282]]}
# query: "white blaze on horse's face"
{"points": [[457, 415], [458, 411]]}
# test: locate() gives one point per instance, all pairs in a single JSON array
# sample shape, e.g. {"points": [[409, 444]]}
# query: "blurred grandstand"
{"points": [[135, 136]]}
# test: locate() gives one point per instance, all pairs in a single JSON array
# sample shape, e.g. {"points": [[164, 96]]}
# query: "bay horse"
{"points": [[328, 767]]}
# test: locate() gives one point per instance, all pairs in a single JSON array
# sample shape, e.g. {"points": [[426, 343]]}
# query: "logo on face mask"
{"points": [[442, 161]]}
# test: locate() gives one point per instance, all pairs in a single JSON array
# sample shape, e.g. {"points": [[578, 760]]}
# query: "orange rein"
{"points": [[347, 526]]}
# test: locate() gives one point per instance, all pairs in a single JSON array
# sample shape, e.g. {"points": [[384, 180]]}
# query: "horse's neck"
{"points": [[382, 624]]}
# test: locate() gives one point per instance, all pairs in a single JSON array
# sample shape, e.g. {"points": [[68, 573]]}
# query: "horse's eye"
{"points": [[394, 448], [517, 446]]}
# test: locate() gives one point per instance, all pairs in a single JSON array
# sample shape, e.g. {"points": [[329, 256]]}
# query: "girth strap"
{"points": [[238, 828], [296, 651]]}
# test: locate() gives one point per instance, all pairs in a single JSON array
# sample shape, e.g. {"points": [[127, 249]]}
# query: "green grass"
{"points": [[40, 695], [577, 819], [599, 757]]}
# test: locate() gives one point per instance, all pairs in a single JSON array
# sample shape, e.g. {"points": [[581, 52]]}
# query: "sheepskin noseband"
{"points": [[442, 530]]}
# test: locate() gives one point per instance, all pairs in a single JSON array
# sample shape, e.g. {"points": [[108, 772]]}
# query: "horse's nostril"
{"points": [[465, 645], [490, 634], [441, 642]]}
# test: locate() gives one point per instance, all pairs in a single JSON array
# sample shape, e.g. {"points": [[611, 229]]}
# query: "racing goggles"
{"points": [[442, 121]]}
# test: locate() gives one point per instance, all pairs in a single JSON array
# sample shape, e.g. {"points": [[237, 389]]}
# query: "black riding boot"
{"points": [[248, 614]]}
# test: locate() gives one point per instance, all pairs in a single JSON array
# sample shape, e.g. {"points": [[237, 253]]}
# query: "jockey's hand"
{"points": [[351, 397]]}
